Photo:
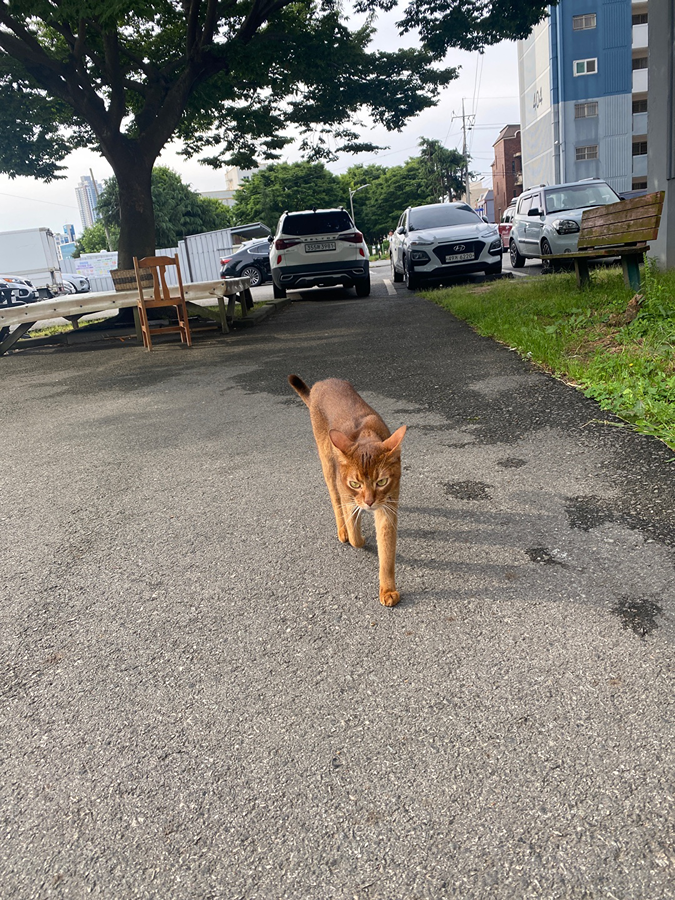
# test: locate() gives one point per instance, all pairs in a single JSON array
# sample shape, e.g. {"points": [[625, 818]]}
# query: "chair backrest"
{"points": [[157, 265]]}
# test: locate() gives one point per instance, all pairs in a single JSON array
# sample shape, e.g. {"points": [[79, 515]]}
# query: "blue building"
{"points": [[583, 82]]}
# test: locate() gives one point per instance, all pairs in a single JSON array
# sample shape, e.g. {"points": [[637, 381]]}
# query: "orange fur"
{"points": [[361, 462]]}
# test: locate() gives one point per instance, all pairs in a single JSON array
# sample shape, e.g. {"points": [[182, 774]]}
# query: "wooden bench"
{"points": [[74, 306], [621, 229]]}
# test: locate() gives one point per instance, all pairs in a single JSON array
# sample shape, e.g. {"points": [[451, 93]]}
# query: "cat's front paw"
{"points": [[342, 535], [358, 541], [389, 598]]}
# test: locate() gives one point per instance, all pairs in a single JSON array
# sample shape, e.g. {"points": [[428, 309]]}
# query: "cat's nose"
{"points": [[369, 499]]}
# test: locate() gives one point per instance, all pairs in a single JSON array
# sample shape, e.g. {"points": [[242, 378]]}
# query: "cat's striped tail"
{"points": [[299, 387]]}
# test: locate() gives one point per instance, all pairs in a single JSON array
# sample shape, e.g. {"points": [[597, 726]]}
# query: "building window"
{"points": [[583, 23], [639, 185], [639, 148], [585, 66], [639, 106], [585, 110], [640, 19], [590, 152], [641, 62]]}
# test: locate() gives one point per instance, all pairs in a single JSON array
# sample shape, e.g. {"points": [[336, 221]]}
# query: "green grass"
{"points": [[584, 338]]}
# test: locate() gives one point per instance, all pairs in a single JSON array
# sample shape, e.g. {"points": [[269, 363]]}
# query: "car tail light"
{"points": [[355, 238], [224, 260], [284, 244]]}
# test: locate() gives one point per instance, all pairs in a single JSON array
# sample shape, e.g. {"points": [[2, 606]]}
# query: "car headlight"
{"points": [[496, 246], [420, 242], [419, 256], [566, 226]]}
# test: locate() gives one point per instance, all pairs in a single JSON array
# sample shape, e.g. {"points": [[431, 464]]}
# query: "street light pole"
{"points": [[351, 197]]}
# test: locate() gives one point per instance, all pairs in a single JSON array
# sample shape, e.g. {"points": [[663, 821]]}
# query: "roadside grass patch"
{"points": [[617, 348]]}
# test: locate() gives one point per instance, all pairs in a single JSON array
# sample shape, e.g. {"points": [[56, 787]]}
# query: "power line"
{"points": [[35, 200]]}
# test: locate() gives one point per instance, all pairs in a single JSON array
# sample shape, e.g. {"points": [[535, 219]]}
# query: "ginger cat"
{"points": [[361, 463]]}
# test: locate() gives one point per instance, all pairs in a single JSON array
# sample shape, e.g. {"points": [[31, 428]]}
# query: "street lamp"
{"points": [[351, 197]]}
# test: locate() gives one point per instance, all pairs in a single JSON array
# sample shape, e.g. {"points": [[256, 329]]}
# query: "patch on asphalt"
{"points": [[468, 490], [588, 512], [543, 556], [511, 462], [638, 615]]}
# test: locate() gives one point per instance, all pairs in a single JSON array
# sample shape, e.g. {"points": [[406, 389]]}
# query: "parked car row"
{"points": [[18, 291]]}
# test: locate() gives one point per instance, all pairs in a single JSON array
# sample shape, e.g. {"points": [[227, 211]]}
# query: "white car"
{"points": [[74, 283], [24, 292], [319, 248], [443, 240]]}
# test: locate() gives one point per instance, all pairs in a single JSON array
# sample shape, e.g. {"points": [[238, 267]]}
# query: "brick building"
{"points": [[507, 171]]}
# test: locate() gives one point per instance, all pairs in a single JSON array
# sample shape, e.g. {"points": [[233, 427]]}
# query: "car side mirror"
{"points": [[535, 211], [400, 230], [270, 238], [485, 219]]}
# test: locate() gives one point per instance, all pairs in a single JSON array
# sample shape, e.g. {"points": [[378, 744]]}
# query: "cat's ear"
{"points": [[340, 440], [393, 442]]}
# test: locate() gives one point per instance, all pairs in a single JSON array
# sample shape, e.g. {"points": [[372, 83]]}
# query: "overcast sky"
{"points": [[488, 84]]}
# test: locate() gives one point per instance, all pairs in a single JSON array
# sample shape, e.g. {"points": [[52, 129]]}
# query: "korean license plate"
{"points": [[319, 245], [458, 257]]}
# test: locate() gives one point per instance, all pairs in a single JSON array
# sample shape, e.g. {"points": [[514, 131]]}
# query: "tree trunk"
{"points": [[137, 214]]}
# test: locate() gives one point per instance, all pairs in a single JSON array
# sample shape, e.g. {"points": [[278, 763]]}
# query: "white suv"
{"points": [[548, 217], [318, 247], [442, 240]]}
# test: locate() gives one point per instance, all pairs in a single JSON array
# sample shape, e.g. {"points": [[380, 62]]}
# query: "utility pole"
{"points": [[351, 197], [471, 118]]}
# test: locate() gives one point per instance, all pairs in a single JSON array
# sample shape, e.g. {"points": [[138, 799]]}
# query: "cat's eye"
{"points": [[354, 484], [381, 482]]}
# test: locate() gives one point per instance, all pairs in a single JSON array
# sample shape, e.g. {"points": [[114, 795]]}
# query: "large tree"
{"points": [[239, 78]]}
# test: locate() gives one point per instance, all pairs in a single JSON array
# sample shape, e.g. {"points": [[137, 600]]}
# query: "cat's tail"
{"points": [[299, 387]]}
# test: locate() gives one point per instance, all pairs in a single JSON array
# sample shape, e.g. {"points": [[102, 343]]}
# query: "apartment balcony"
{"points": [[639, 123], [640, 41], [640, 81], [640, 166]]}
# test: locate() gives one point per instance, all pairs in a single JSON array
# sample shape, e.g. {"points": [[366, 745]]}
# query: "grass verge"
{"points": [[616, 349]]}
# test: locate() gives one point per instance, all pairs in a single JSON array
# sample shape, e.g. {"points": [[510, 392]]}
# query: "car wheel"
{"points": [[517, 261], [395, 274], [279, 293], [547, 265], [254, 274], [363, 287], [69, 288], [412, 281]]}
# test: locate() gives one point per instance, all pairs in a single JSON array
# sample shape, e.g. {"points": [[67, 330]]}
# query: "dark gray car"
{"points": [[252, 261]]}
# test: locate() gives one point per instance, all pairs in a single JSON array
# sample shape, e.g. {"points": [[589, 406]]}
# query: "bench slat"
{"points": [[621, 217], [616, 235], [600, 252], [648, 204]]}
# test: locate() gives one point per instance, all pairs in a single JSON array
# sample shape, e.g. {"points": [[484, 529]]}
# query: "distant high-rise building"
{"points": [[87, 201], [69, 231], [583, 94]]}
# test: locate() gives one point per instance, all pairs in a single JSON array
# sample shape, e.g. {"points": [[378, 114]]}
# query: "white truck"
{"points": [[31, 254]]}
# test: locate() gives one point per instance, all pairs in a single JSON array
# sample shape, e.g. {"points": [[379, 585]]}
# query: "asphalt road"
{"points": [[200, 695]]}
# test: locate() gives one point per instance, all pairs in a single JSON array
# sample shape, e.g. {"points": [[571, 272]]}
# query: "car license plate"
{"points": [[319, 245], [458, 257]]}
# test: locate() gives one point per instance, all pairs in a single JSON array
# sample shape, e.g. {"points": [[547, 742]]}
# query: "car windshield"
{"points": [[579, 196], [317, 223], [441, 217]]}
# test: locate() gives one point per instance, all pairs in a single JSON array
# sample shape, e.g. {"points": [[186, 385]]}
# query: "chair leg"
{"points": [[145, 328]]}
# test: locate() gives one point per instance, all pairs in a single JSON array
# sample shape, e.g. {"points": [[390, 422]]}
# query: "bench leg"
{"points": [[631, 271], [582, 272], [223, 315], [12, 338]]}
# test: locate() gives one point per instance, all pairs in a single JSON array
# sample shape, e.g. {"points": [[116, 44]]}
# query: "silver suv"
{"points": [[548, 217]]}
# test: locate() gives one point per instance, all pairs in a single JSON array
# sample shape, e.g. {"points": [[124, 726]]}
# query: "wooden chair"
{"points": [[162, 296]]}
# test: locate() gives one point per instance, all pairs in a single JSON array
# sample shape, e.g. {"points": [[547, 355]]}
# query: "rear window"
{"points": [[441, 217], [317, 223]]}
